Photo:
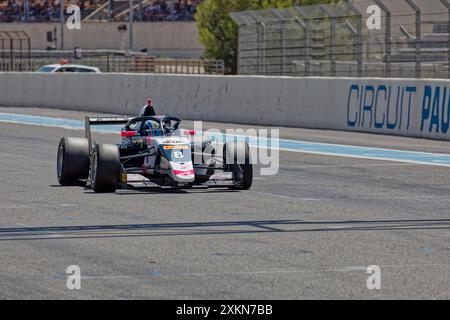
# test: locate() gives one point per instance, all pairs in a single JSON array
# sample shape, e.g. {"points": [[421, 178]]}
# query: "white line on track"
{"points": [[31, 206], [350, 165], [414, 198], [341, 155], [258, 272], [283, 196], [306, 150]]}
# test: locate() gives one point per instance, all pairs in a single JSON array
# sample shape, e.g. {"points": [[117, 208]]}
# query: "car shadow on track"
{"points": [[77, 184], [165, 190], [215, 228], [159, 190], [152, 190]]}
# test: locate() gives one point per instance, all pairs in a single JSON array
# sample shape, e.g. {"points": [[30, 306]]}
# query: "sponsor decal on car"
{"points": [[108, 119], [175, 141], [175, 147], [183, 173]]}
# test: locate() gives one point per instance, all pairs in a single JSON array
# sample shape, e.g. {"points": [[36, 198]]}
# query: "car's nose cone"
{"points": [[183, 172]]}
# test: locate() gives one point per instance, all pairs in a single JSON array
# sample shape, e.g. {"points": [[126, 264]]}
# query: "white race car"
{"points": [[156, 148]]}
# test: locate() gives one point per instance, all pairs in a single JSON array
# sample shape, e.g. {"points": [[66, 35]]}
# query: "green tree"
{"points": [[217, 31]]}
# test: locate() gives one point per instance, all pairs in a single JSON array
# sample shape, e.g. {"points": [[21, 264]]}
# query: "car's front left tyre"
{"points": [[72, 161]]}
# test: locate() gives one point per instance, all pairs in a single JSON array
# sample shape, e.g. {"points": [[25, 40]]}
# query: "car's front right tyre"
{"points": [[237, 160], [105, 168]]}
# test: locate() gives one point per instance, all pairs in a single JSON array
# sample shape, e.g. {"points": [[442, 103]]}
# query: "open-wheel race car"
{"points": [[155, 149]]}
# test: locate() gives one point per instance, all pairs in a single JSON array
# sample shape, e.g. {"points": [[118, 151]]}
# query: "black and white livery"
{"points": [[154, 149]]}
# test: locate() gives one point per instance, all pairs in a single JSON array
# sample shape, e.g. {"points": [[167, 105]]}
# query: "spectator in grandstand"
{"points": [[10, 11], [160, 10], [40, 10], [49, 10]]}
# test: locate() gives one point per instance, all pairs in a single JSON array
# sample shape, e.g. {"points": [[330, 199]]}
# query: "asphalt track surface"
{"points": [[308, 232]]}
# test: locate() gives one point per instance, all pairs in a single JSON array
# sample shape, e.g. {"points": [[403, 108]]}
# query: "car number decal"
{"points": [[178, 154]]}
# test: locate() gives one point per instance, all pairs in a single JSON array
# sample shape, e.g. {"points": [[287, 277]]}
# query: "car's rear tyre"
{"points": [[72, 161], [239, 152], [105, 168]]}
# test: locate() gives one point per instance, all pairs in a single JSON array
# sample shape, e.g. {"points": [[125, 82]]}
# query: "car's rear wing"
{"points": [[101, 121]]}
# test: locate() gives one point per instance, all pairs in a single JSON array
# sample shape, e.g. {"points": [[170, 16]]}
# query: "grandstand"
{"points": [[98, 10], [172, 35]]}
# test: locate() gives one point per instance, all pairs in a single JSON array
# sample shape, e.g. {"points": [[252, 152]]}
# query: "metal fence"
{"points": [[107, 61], [142, 65], [15, 50], [413, 40]]}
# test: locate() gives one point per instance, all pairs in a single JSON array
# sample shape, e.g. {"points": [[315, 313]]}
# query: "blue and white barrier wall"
{"points": [[407, 107]]}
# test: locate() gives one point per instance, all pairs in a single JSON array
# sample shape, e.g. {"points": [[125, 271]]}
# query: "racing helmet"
{"points": [[153, 128]]}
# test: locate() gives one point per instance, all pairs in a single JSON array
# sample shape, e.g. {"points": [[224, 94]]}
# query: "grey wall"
{"points": [[172, 39], [416, 108]]}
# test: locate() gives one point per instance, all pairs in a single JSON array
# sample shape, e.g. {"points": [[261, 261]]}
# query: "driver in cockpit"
{"points": [[152, 128]]}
